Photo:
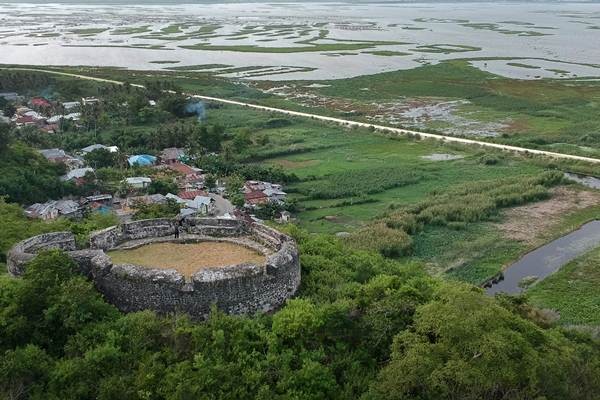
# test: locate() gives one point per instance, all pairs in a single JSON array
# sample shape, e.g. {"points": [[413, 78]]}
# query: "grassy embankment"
{"points": [[573, 291]]}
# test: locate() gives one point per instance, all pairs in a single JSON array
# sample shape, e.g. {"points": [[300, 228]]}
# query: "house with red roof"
{"points": [[255, 198], [39, 102], [192, 178], [191, 194]]}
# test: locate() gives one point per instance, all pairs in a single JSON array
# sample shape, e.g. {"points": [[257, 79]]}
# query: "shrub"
{"points": [[379, 237]]}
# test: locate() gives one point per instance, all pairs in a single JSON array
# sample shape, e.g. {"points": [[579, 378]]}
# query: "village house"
{"points": [[40, 103], [171, 155], [70, 105], [104, 198], [255, 198], [133, 201], [102, 203], [50, 128], [89, 100], [25, 121], [93, 147], [138, 182], [61, 157], [54, 209], [9, 96], [258, 192], [191, 178], [191, 194], [55, 119], [198, 205], [25, 116], [77, 175], [22, 110], [143, 160]]}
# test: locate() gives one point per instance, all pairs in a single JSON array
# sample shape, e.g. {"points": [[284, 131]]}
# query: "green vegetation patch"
{"points": [[573, 291], [88, 31], [387, 53], [199, 67], [445, 48], [521, 65], [164, 62], [131, 30], [358, 182]]}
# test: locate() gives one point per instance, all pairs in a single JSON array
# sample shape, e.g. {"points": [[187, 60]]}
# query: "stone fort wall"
{"points": [[235, 289]]}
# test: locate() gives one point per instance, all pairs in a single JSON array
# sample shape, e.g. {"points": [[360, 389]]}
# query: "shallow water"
{"points": [[554, 39], [549, 258], [589, 181]]}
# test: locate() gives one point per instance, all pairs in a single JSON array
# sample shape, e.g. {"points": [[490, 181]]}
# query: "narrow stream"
{"points": [[549, 258]]}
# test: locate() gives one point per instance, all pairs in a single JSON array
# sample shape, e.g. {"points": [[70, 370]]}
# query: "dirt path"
{"points": [[345, 122]]}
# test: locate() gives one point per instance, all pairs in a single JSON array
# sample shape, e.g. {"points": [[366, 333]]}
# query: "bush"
{"points": [[383, 239], [358, 183]]}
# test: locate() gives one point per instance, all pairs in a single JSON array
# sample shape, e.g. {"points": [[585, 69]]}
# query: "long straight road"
{"points": [[346, 122]]}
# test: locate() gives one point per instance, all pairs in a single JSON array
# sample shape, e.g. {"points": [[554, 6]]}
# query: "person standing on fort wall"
{"points": [[177, 227]]}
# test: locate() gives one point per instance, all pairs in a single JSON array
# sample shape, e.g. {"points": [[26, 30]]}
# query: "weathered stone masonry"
{"points": [[235, 289]]}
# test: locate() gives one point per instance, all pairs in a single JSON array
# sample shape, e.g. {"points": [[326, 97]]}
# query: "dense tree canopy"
{"points": [[362, 326], [37, 182]]}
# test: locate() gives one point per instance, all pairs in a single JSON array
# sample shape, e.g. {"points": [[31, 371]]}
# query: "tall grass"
{"points": [[358, 183], [466, 203]]}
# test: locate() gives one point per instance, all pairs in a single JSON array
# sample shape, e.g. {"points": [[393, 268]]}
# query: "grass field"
{"points": [[573, 291]]}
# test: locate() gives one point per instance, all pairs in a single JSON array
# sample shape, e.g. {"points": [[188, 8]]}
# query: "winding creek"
{"points": [[538, 264], [549, 258]]}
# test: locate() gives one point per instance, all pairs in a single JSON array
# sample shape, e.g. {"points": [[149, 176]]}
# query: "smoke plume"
{"points": [[196, 107]]}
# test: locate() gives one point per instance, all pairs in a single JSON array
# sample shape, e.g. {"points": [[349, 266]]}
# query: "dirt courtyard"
{"points": [[187, 258]]}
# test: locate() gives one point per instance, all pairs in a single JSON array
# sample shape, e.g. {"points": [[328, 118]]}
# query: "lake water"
{"points": [[557, 40], [549, 258]]}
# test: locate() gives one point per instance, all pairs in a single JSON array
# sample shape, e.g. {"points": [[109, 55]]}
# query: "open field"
{"points": [[187, 258]]}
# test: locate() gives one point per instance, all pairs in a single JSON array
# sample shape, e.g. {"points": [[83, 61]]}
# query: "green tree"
{"points": [[148, 211], [173, 103], [465, 345], [242, 140], [162, 187], [5, 137], [101, 158], [23, 372], [234, 186], [210, 182]]}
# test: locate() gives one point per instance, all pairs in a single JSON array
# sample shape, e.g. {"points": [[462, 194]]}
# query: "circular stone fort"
{"points": [[240, 267]]}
